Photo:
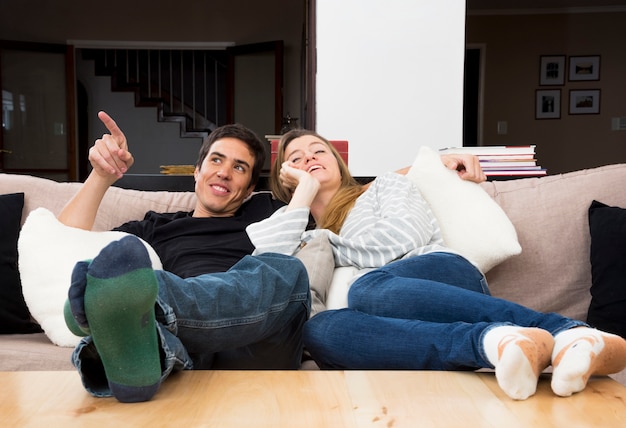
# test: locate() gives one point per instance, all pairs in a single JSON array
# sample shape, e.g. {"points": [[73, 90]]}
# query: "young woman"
{"points": [[415, 304]]}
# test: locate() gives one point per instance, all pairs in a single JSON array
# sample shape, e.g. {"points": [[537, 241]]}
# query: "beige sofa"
{"points": [[550, 215]]}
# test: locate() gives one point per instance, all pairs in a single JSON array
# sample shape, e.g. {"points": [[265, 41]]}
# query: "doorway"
{"points": [[37, 135], [473, 95], [255, 88]]}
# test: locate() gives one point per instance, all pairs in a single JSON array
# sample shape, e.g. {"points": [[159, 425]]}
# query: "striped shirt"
{"points": [[389, 221]]}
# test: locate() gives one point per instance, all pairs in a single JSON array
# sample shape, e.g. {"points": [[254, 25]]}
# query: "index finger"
{"points": [[111, 126]]}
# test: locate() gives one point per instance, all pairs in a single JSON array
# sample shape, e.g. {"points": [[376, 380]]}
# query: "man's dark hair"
{"points": [[240, 132]]}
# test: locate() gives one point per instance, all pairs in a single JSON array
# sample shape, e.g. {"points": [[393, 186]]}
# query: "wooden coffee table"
{"points": [[309, 399]]}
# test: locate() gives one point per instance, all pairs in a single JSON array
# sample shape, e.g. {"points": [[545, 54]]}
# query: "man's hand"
{"points": [[467, 166], [109, 155], [110, 159]]}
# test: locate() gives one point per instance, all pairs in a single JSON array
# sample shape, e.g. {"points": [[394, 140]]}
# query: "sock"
{"points": [[519, 355], [74, 309], [581, 352], [119, 298]]}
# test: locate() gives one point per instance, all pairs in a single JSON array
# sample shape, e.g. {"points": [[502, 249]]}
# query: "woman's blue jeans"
{"points": [[250, 317], [427, 312]]}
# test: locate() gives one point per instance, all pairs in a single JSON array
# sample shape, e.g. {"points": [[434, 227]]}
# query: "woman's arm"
{"points": [[388, 221], [283, 231], [279, 233], [467, 166]]}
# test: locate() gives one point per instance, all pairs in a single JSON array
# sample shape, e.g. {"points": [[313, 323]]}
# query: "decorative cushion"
{"points": [[48, 251], [607, 226], [471, 222], [14, 315], [317, 257]]}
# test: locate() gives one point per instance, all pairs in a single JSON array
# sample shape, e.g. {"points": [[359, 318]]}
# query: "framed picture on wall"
{"points": [[551, 70], [548, 104], [584, 101], [584, 67]]}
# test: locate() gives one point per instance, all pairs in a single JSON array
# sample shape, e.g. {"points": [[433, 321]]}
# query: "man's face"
{"points": [[223, 181]]}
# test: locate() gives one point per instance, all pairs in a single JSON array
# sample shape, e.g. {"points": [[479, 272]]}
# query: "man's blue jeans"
{"points": [[427, 312], [250, 317]]}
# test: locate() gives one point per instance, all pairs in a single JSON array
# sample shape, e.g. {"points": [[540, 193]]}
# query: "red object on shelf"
{"points": [[340, 145]]}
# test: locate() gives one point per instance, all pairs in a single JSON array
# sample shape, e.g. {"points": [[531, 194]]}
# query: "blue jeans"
{"points": [[427, 312], [250, 317]]}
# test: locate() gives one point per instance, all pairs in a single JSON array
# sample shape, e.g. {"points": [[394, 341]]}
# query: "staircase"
{"points": [[186, 86]]}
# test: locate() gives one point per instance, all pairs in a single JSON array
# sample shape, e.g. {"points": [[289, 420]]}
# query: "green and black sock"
{"points": [[74, 309], [119, 293]]}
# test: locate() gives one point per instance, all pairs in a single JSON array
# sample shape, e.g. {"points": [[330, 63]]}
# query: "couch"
{"points": [[550, 214]]}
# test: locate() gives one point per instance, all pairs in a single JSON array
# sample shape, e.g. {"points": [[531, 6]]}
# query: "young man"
{"points": [[212, 306]]}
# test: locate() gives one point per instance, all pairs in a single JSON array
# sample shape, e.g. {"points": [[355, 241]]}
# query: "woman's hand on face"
{"points": [[303, 185], [291, 177]]}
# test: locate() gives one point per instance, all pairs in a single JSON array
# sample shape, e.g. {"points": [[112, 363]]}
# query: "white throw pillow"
{"points": [[471, 222], [48, 251], [340, 285]]}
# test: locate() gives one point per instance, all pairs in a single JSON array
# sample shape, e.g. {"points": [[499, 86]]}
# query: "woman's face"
{"points": [[312, 155]]}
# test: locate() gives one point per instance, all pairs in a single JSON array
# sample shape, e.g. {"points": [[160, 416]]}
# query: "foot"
{"points": [[74, 309], [582, 352], [119, 298], [519, 355]]}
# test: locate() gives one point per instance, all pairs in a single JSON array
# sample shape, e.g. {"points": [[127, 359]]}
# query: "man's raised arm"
{"points": [[110, 160]]}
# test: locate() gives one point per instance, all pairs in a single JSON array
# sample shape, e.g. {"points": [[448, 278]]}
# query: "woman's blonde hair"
{"points": [[343, 201]]}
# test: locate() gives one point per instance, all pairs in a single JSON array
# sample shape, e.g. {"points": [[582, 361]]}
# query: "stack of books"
{"points": [[503, 161]]}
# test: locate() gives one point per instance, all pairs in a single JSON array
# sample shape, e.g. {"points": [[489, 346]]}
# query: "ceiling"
{"points": [[484, 5]]}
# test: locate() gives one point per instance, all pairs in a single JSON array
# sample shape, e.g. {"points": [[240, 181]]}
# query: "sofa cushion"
{"points": [[48, 252], [553, 272], [118, 205], [470, 221], [14, 315], [607, 227], [33, 352], [317, 257]]}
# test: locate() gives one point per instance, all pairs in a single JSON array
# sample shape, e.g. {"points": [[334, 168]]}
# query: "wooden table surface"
{"points": [[309, 399]]}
